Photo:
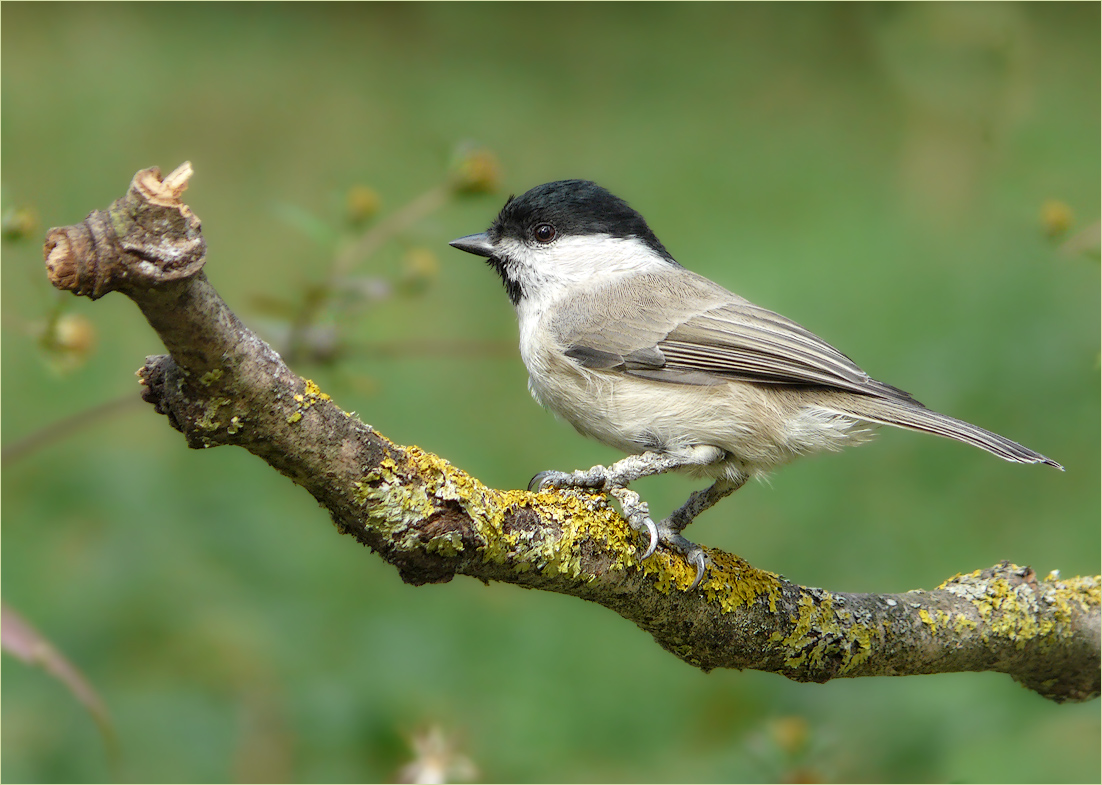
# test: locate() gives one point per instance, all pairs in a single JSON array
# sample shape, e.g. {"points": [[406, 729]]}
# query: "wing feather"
{"points": [[682, 328]]}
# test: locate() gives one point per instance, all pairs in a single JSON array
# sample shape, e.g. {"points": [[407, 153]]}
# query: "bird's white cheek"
{"points": [[549, 272]]}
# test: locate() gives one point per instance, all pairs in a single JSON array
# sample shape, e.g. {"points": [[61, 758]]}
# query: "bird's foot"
{"points": [[595, 479], [606, 480], [635, 509], [638, 517], [693, 553], [667, 531], [637, 513]]}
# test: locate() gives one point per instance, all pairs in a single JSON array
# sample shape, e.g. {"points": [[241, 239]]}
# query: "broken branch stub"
{"points": [[145, 238]]}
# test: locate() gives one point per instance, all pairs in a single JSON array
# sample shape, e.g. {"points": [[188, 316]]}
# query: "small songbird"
{"points": [[636, 351]]}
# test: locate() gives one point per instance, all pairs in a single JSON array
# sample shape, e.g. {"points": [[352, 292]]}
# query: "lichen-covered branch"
{"points": [[221, 385]]}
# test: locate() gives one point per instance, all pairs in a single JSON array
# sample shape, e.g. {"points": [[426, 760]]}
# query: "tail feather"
{"points": [[915, 418]]}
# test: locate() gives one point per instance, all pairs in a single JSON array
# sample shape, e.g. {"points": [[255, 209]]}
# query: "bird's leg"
{"points": [[618, 475], [699, 501], [615, 478], [670, 528]]}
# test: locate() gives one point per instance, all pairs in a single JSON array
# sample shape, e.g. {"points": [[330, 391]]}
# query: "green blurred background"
{"points": [[909, 181]]}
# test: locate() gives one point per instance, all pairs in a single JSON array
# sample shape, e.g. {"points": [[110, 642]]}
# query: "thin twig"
{"points": [[67, 426], [394, 224], [362, 248]]}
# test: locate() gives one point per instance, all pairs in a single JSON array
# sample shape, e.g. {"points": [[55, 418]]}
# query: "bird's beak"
{"points": [[478, 244]]}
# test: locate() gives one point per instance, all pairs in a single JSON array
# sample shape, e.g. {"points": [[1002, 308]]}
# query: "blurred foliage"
{"points": [[876, 172]]}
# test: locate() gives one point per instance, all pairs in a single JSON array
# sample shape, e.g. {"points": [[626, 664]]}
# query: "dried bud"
{"points": [[361, 204], [476, 171], [69, 340], [1056, 217], [420, 267], [789, 733], [19, 223]]}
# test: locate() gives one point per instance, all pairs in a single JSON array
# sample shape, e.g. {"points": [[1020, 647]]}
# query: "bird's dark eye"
{"points": [[545, 233]]}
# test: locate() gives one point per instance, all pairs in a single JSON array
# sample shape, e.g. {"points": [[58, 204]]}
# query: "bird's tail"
{"points": [[917, 418]]}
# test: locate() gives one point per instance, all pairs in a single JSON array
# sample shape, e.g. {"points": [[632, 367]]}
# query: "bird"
{"points": [[642, 354]]}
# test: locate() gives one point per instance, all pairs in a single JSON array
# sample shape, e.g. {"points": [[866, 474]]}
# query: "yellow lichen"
{"points": [[820, 631], [582, 517], [733, 583], [209, 421], [398, 505], [963, 623], [314, 392], [1018, 619], [448, 544], [306, 399], [210, 377], [1014, 611], [1085, 589]]}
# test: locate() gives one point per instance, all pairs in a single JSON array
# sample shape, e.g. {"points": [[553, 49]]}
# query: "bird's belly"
{"points": [[758, 427]]}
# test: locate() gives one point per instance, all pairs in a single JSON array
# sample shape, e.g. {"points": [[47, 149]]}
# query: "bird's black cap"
{"points": [[574, 208]]}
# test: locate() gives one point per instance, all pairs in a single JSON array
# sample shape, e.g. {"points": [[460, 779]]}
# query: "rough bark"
{"points": [[221, 385]]}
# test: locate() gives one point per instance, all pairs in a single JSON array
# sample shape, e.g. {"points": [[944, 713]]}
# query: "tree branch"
{"points": [[220, 385]]}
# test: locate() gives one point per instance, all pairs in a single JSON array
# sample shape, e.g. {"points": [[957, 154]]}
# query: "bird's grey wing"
{"points": [[688, 330], [618, 328]]}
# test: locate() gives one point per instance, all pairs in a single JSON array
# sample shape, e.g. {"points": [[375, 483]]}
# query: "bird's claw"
{"points": [[698, 558], [635, 511], [692, 552], [536, 483], [653, 530]]}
